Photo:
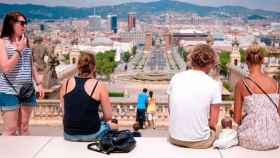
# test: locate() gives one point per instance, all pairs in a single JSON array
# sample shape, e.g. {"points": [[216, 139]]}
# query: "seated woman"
{"points": [[257, 96], [80, 100]]}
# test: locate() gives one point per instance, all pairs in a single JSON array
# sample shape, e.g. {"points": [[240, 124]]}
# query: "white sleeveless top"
{"points": [[20, 73]]}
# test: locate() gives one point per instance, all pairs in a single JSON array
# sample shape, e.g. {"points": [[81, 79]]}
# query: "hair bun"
{"points": [[255, 49]]}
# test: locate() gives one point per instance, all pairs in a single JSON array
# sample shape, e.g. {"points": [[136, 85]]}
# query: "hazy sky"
{"points": [[254, 4]]}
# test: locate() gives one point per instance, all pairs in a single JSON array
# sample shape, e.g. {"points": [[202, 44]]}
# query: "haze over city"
{"points": [[273, 5]]}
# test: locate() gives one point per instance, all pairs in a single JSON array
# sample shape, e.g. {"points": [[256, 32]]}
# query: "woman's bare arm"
{"points": [[105, 102], [7, 64], [238, 103]]}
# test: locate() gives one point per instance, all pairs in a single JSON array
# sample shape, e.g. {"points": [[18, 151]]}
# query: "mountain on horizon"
{"points": [[156, 7]]}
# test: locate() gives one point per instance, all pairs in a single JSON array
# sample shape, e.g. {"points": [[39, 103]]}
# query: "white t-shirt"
{"points": [[190, 94]]}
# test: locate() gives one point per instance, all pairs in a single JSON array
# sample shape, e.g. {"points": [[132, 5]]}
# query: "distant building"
{"points": [[188, 35], [275, 26], [134, 36], [112, 23], [131, 21], [94, 23]]}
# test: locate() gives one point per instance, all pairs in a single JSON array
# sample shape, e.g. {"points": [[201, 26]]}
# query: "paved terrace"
{"points": [[57, 147]]}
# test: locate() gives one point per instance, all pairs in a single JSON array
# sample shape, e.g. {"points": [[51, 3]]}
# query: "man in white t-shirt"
{"points": [[194, 99]]}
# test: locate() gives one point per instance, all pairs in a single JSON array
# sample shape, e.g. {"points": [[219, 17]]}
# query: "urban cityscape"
{"points": [[143, 48]]}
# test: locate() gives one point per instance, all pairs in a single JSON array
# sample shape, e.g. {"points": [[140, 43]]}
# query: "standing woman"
{"points": [[256, 105], [81, 97], [16, 65]]}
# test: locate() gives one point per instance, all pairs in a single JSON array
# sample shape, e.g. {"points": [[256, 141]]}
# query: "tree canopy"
{"points": [[105, 62]]}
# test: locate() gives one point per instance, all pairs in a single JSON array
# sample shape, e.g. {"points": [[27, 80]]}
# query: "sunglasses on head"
{"points": [[22, 23]]}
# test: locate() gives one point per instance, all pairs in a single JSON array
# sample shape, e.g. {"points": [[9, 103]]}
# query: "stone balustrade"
{"points": [[49, 111]]}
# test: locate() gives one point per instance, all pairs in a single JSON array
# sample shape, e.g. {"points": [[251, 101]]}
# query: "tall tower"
{"points": [[235, 54], [131, 21], [112, 23], [168, 40], [148, 40]]}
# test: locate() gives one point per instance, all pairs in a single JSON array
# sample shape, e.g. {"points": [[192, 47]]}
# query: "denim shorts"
{"points": [[11, 102], [104, 128]]}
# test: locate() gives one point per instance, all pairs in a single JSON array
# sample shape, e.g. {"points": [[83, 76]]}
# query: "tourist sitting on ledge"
{"points": [[194, 99], [257, 95], [80, 100]]}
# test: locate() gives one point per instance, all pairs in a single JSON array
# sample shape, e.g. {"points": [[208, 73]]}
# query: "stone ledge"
{"points": [[45, 147]]}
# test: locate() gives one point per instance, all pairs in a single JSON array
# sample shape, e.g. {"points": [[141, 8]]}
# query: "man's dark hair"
{"points": [[145, 90]]}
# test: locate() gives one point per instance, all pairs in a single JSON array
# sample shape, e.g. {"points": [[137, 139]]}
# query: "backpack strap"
{"points": [[94, 146], [277, 88], [263, 92]]}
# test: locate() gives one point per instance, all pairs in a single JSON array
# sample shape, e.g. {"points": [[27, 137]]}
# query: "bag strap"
{"points": [[94, 147], [90, 146], [263, 92], [94, 88], [247, 87], [10, 83]]}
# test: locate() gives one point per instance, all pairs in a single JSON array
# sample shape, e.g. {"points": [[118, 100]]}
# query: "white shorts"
{"points": [[151, 116]]}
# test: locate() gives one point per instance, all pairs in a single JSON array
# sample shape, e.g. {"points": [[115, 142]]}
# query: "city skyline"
{"points": [[273, 5]]}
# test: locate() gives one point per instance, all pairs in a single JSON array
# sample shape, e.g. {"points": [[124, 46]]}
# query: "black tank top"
{"points": [[80, 110]]}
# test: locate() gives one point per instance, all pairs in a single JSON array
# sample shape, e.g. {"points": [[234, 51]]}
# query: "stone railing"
{"points": [[49, 112]]}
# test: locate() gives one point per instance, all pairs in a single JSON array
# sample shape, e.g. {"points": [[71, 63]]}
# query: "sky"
{"points": [[253, 4]]}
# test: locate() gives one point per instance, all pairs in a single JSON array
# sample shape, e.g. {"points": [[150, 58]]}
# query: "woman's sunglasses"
{"points": [[22, 23]]}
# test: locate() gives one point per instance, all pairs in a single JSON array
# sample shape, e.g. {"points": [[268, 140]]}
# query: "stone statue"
{"points": [[50, 74], [39, 53]]}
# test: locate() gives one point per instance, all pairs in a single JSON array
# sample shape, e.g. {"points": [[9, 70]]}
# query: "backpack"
{"points": [[114, 142]]}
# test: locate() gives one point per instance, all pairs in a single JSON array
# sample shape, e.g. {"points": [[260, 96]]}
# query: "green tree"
{"points": [[105, 63], [126, 57], [242, 55], [224, 59]]}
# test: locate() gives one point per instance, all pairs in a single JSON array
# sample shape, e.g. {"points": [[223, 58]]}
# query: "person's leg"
{"points": [[24, 114], [9, 106], [142, 118], [153, 121], [104, 128], [10, 118]]}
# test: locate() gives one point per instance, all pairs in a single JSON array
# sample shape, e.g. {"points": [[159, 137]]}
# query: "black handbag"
{"points": [[114, 142], [25, 92]]}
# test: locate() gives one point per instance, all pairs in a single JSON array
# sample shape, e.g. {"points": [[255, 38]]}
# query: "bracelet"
{"points": [[18, 52]]}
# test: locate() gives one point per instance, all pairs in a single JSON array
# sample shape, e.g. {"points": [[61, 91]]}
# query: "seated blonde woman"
{"points": [[256, 106], [80, 100]]}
